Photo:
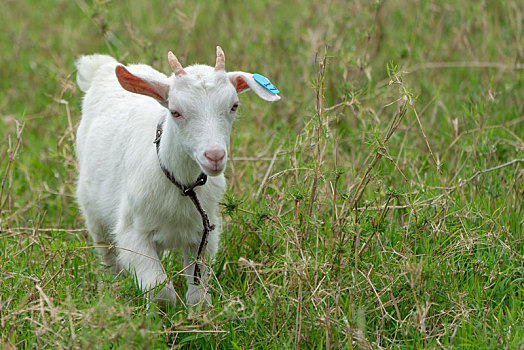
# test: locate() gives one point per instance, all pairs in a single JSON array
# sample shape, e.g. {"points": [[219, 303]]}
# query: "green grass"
{"points": [[343, 227]]}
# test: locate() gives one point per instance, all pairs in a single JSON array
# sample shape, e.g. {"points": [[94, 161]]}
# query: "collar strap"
{"points": [[188, 191]]}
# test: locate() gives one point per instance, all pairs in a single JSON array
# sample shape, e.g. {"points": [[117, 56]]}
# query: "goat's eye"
{"points": [[176, 115], [234, 108]]}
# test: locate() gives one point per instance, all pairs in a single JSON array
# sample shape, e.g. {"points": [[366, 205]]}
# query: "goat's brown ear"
{"points": [[240, 84], [148, 87]]}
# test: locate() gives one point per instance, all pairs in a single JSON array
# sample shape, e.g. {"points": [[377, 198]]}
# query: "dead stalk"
{"points": [[9, 168]]}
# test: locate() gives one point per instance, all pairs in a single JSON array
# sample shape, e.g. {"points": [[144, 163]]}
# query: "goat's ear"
{"points": [[243, 81], [144, 86]]}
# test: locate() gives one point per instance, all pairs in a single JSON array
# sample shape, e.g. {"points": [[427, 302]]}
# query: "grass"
{"points": [[378, 205]]}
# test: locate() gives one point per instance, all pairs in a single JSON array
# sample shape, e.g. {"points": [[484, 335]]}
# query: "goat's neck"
{"points": [[172, 155]]}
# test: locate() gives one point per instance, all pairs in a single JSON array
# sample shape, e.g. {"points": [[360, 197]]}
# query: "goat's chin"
{"points": [[210, 171]]}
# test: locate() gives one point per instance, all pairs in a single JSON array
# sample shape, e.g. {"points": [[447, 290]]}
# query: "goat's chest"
{"points": [[173, 221]]}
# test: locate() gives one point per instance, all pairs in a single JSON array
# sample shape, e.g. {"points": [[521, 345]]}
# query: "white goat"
{"points": [[126, 198]]}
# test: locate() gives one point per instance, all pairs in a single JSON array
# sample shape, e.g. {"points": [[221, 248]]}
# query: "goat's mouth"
{"points": [[212, 170]]}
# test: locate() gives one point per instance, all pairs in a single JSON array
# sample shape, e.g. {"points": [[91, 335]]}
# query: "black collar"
{"points": [[185, 189], [188, 191]]}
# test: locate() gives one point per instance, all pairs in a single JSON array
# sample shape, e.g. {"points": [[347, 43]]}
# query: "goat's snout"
{"points": [[215, 156], [216, 161]]}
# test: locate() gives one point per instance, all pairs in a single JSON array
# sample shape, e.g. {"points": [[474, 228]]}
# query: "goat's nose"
{"points": [[215, 156]]}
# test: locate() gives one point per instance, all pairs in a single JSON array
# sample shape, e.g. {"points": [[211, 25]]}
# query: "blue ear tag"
{"points": [[265, 83]]}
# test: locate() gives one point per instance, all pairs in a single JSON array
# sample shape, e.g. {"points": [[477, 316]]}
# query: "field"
{"points": [[378, 205]]}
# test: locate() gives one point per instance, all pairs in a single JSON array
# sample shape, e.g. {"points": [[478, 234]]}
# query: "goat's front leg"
{"points": [[197, 287], [137, 253]]}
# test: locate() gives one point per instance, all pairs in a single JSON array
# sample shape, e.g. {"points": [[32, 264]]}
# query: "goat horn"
{"points": [[175, 64], [221, 60]]}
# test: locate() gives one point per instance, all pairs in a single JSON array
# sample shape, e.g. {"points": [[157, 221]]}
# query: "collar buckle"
{"points": [[188, 190]]}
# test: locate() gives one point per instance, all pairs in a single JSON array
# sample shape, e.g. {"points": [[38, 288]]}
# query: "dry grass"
{"points": [[378, 205]]}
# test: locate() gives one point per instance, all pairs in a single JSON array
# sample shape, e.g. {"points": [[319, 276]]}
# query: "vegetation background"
{"points": [[379, 204]]}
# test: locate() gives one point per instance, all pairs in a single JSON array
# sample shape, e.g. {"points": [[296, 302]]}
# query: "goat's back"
{"points": [[112, 116], [87, 67]]}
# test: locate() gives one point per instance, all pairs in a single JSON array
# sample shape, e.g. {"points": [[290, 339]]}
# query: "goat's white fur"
{"points": [[122, 192]]}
